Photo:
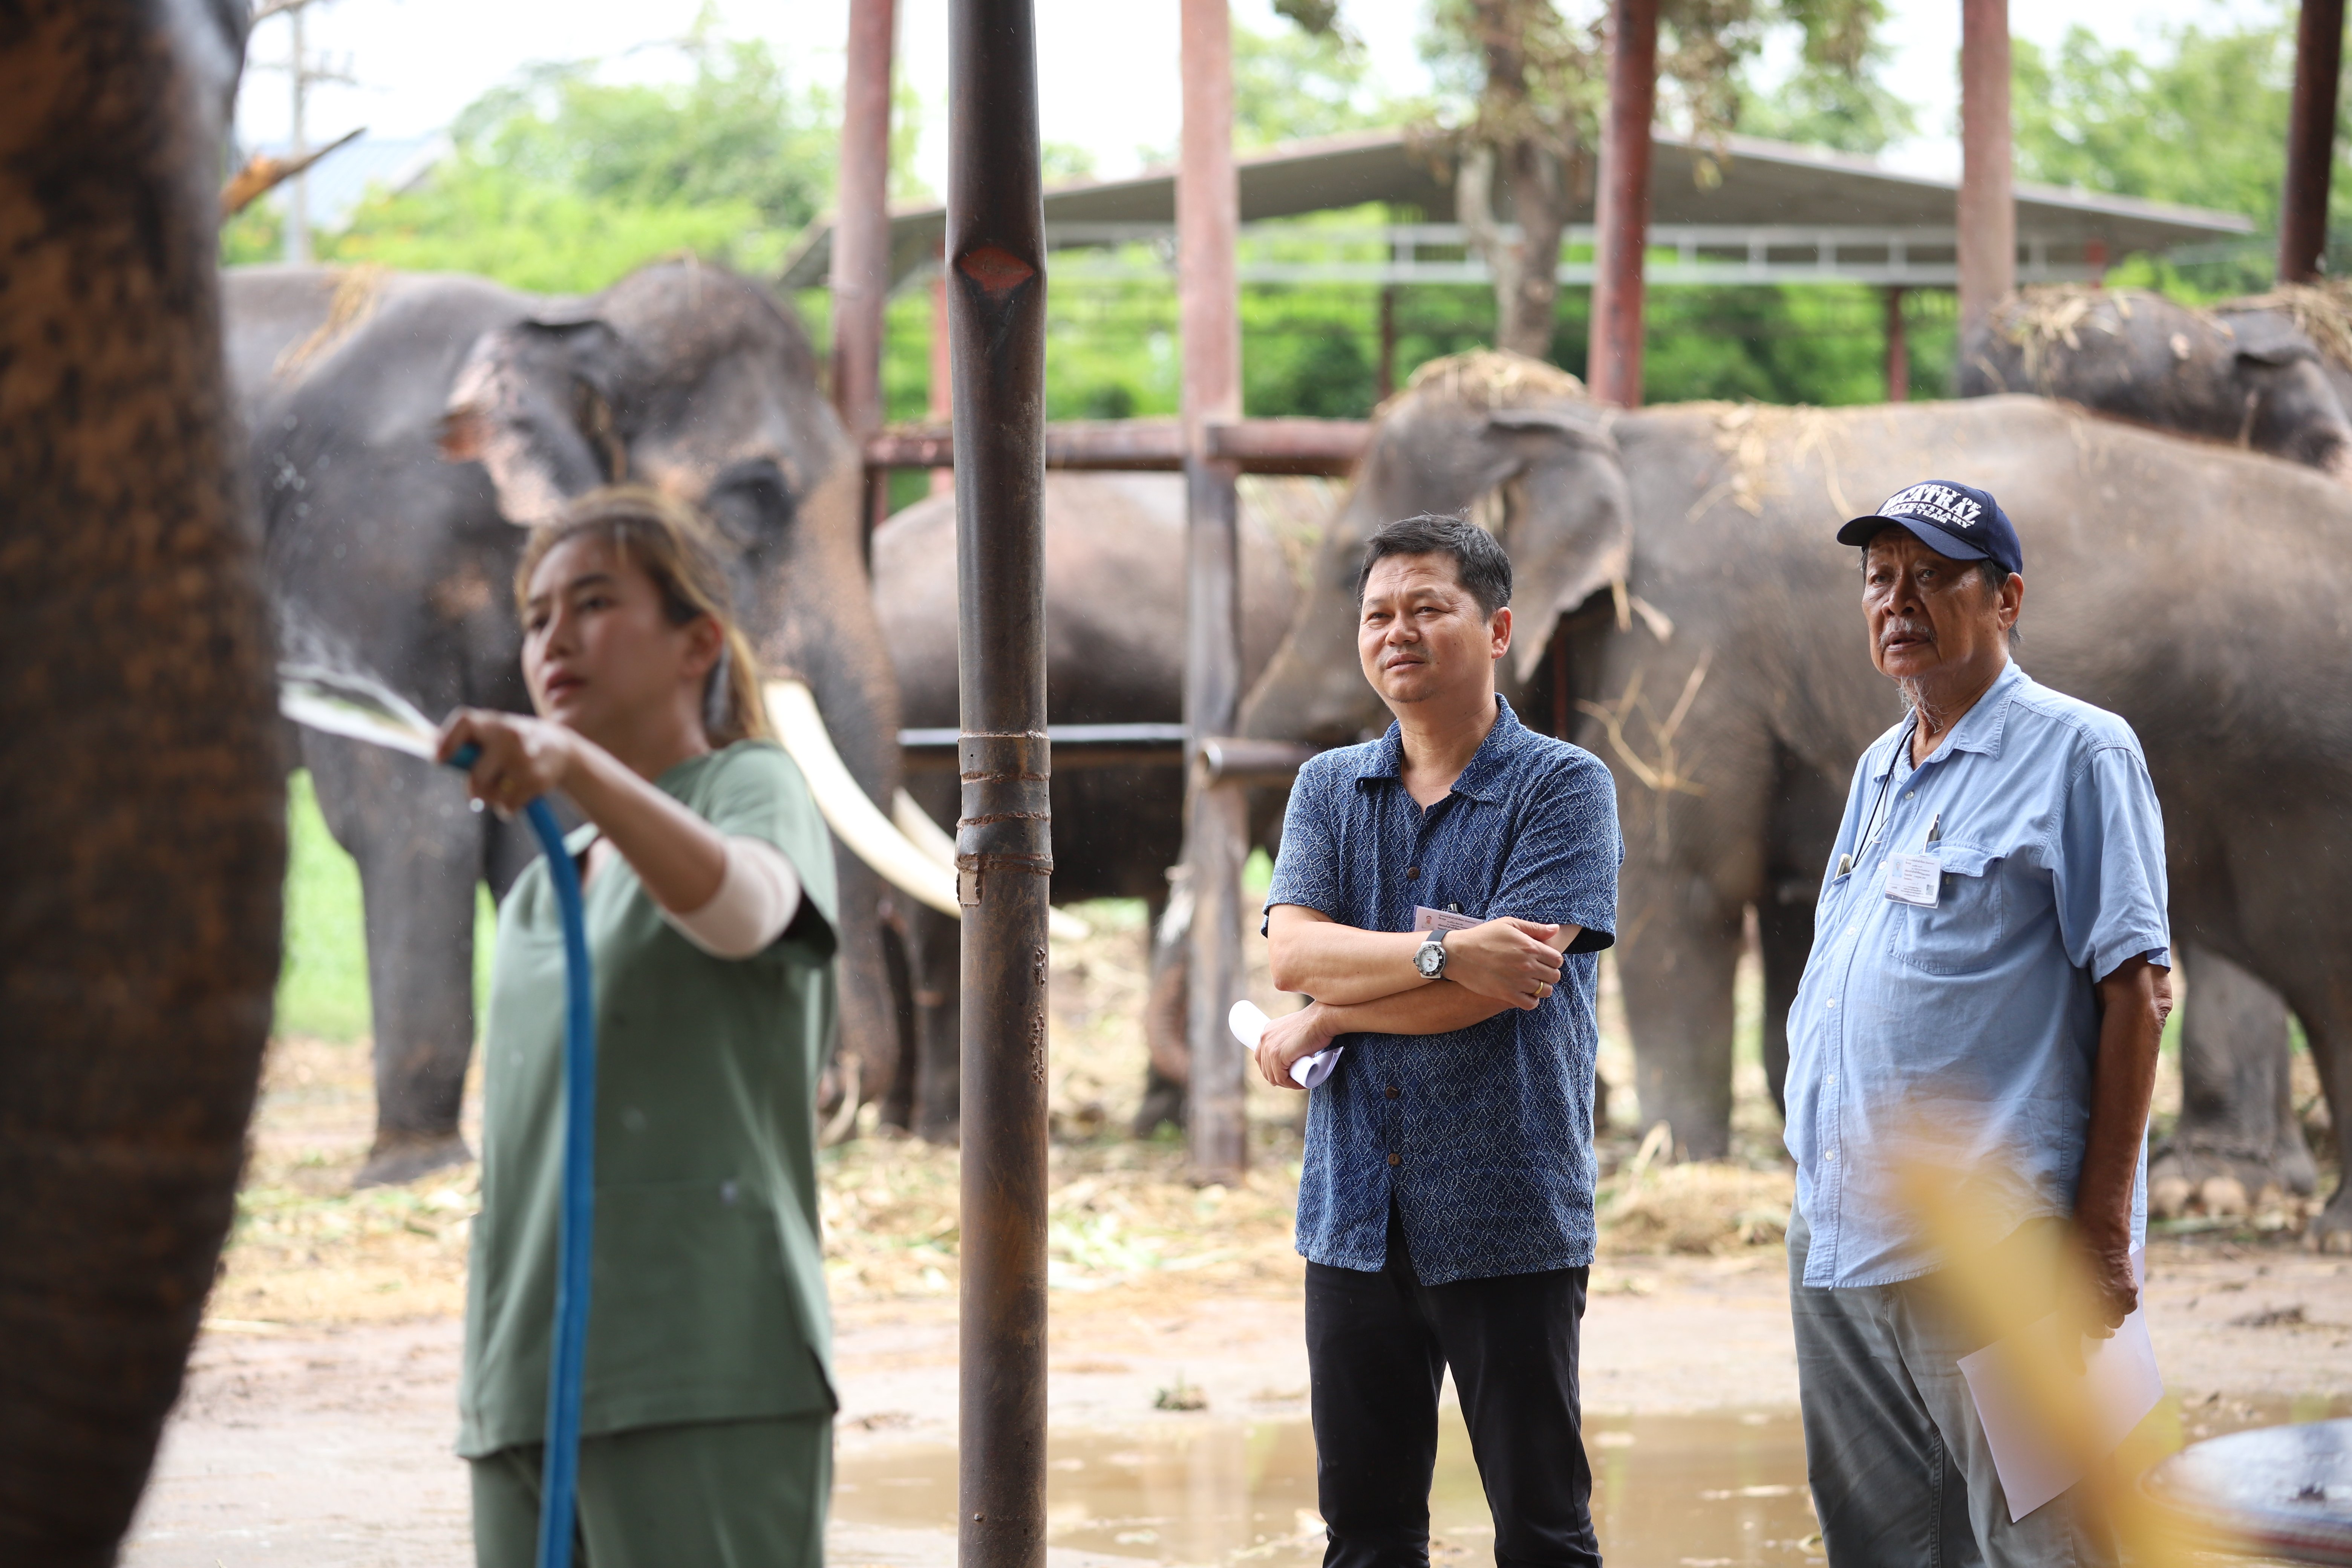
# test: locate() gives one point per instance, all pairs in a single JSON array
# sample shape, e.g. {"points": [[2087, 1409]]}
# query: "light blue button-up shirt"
{"points": [[1965, 1035]]}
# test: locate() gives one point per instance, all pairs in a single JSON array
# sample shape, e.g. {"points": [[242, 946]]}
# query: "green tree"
{"points": [[561, 183]]}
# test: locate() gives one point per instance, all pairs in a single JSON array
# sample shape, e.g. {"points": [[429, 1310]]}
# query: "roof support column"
{"points": [[1621, 215], [1216, 820], [2310, 140], [1987, 210], [1005, 849], [861, 238]]}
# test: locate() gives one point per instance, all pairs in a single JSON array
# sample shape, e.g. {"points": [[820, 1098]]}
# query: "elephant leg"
{"points": [[1170, 1067], [2328, 1028], [1784, 930], [2237, 1135], [420, 854], [867, 1059], [1676, 965], [936, 1103]]}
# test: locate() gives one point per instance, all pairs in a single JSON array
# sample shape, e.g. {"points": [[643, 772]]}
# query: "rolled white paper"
{"points": [[1248, 1021]]}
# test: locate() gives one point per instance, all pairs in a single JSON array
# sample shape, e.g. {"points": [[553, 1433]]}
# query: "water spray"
{"points": [[360, 708]]}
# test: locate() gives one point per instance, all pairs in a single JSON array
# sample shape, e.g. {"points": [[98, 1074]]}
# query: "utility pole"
{"points": [[300, 71]]}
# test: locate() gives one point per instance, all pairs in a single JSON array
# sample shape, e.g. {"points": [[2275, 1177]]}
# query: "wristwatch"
{"points": [[1429, 958]]}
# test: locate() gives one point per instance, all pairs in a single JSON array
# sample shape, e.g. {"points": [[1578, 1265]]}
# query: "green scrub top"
{"points": [[708, 1298]]}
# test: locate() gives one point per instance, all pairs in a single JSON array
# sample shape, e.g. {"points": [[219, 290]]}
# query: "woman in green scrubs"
{"points": [[708, 1407]]}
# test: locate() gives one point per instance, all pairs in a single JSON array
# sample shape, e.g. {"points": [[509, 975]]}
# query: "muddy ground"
{"points": [[320, 1410]]}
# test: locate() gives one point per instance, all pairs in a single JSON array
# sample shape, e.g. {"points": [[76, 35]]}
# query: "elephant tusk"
{"points": [[922, 832], [907, 849], [855, 819]]}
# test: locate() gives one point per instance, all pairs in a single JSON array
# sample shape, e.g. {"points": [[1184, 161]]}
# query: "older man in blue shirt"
{"points": [[1986, 991], [1442, 893]]}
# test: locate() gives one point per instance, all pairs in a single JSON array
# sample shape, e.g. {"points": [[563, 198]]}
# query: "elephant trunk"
{"points": [[142, 812]]}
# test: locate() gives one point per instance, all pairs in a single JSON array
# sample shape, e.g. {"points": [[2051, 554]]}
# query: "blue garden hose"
{"points": [[560, 1469]]}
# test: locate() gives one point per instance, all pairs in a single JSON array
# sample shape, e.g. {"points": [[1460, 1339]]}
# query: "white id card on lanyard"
{"points": [[1914, 879]]}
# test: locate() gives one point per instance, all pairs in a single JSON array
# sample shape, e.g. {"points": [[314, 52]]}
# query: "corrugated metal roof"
{"points": [[1763, 183]]}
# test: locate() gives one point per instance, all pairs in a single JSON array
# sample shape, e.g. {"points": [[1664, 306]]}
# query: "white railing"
{"points": [[1698, 253]]}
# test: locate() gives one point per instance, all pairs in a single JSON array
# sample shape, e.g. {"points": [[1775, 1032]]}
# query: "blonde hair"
{"points": [[671, 543]]}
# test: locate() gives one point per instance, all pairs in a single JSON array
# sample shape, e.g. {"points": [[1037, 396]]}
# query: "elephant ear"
{"points": [[2267, 338], [1569, 518], [531, 405]]}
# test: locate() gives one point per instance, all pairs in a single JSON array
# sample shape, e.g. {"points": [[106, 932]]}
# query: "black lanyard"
{"points": [[1869, 823]]}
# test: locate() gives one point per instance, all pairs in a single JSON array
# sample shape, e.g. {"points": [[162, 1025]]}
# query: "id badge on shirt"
{"points": [[1914, 879], [1426, 919]]}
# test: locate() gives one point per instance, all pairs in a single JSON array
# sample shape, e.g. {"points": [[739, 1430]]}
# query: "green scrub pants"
{"points": [[717, 1494]]}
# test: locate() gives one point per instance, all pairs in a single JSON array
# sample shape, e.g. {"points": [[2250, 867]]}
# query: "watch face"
{"points": [[1429, 958]]}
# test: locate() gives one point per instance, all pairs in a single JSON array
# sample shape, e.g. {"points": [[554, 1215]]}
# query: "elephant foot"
{"points": [[2226, 1181], [402, 1157], [2331, 1229]]}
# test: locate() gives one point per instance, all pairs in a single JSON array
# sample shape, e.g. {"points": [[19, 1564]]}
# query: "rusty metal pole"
{"points": [[1622, 212], [1987, 212], [2310, 140], [861, 231], [1216, 821], [996, 311]]}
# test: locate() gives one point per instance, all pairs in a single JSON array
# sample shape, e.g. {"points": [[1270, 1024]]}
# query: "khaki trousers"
{"points": [[719, 1494]]}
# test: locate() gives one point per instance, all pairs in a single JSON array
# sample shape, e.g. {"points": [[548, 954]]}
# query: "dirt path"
{"points": [[317, 1424], [332, 1448]]}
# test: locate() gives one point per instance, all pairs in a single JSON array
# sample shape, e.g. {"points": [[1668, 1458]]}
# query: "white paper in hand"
{"points": [[1248, 1021], [2119, 1386]]}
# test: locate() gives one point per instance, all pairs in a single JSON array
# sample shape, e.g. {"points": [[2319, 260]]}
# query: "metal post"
{"points": [[297, 194], [861, 230], [1987, 213], [2310, 140], [1898, 350], [1216, 825], [1621, 215], [996, 311]]}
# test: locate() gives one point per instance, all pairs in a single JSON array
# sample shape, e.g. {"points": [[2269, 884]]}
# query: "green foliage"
{"points": [[1836, 97], [562, 184], [323, 986], [2204, 124], [1290, 86], [257, 234]]}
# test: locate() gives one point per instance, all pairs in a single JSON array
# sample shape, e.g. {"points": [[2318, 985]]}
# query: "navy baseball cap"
{"points": [[1958, 521]]}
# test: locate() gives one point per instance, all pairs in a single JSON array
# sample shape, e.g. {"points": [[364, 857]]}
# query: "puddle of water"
{"points": [[1705, 1491]]}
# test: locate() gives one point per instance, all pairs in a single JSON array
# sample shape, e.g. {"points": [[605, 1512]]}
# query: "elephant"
{"points": [[406, 431], [141, 800], [2249, 377], [1727, 684], [2246, 372], [1114, 551]]}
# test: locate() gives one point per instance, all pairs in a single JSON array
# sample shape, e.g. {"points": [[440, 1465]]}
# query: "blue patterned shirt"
{"points": [[1964, 1035], [1483, 1137]]}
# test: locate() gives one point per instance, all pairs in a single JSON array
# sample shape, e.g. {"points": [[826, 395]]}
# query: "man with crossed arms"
{"points": [[1445, 1207]]}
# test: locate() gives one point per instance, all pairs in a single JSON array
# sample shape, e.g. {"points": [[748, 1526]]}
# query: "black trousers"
{"points": [[1377, 1349]]}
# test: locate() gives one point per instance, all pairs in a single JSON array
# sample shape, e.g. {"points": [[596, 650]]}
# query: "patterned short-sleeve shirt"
{"points": [[1483, 1137]]}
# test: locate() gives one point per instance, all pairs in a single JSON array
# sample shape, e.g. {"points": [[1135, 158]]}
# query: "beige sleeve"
{"points": [[756, 900]]}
